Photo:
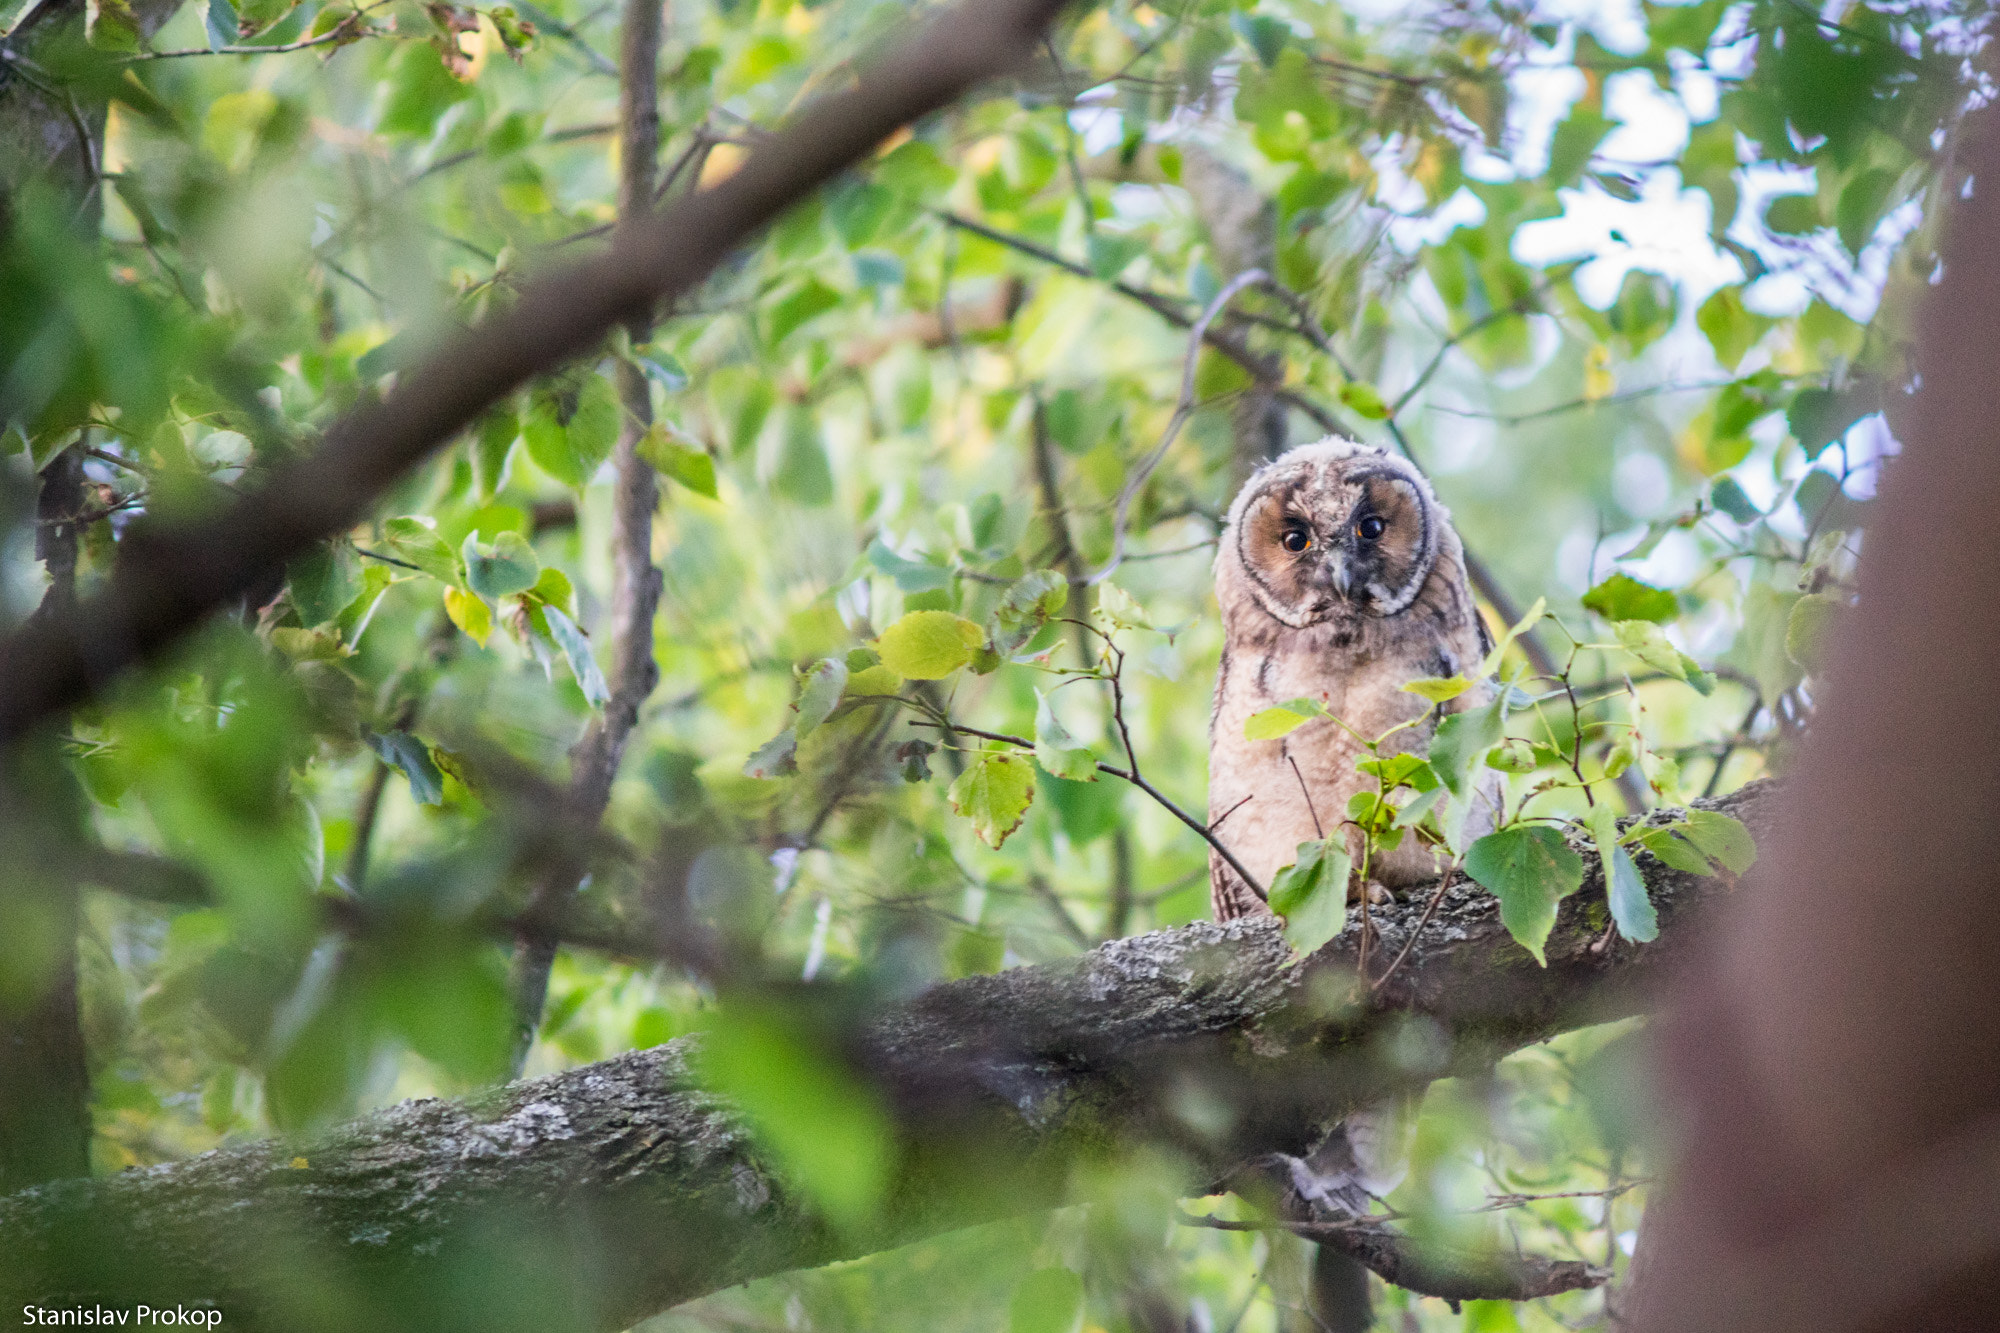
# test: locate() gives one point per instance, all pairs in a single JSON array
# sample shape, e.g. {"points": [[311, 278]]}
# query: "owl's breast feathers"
{"points": [[1278, 793]]}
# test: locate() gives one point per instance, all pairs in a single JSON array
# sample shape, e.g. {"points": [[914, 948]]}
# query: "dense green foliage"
{"points": [[896, 447]]}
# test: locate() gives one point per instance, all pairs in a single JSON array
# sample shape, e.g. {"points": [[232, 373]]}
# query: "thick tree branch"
{"points": [[597, 1196], [172, 576]]}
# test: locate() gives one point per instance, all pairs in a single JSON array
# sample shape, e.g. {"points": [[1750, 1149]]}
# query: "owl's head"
{"points": [[1333, 530]]}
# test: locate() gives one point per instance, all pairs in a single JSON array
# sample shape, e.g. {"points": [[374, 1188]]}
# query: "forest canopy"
{"points": [[842, 625]]}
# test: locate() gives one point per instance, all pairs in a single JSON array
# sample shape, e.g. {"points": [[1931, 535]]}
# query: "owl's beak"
{"points": [[1336, 563]]}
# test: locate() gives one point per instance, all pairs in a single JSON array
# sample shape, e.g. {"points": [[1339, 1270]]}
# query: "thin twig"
{"points": [[342, 31], [1183, 408], [1166, 802], [1318, 832], [1430, 909], [636, 581]]}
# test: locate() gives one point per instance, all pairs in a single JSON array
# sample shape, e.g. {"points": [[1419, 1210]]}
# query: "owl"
{"points": [[1340, 579]]}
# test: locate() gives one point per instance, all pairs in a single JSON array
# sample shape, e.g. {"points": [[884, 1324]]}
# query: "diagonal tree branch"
{"points": [[592, 1198], [170, 577]]}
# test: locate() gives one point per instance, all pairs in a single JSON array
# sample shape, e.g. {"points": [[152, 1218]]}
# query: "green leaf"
{"points": [[1513, 755], [1792, 215], [570, 435], [828, 1131], [1574, 142], [1863, 200], [691, 467], [825, 681], [775, 758], [1364, 401], [414, 539], [1530, 869], [661, 368], [1026, 607], [1721, 838], [1438, 689], [1813, 618], [352, 622], [420, 88], [802, 473], [1731, 328], [109, 25], [1727, 496], [1492, 661], [1058, 751], [576, 650], [1049, 1300], [499, 429], [1311, 893], [1648, 642], [1281, 720], [508, 567], [1110, 254], [910, 575], [1675, 851], [806, 301], [219, 19], [1461, 743], [1622, 597], [412, 758], [994, 793], [1120, 608], [915, 168], [1631, 908], [929, 645]]}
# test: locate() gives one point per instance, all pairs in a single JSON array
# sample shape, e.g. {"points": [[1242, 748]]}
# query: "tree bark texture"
{"points": [[592, 1198], [1835, 1061]]}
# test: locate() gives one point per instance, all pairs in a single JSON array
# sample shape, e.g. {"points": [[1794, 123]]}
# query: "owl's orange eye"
{"points": [[1296, 539], [1370, 528]]}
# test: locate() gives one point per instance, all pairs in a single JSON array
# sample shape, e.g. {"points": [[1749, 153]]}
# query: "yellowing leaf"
{"points": [[1515, 631], [929, 645], [873, 680], [1438, 689], [1281, 720], [1598, 381], [469, 614], [1120, 607], [994, 793]]}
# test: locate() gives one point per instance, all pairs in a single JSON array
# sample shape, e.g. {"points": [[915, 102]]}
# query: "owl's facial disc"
{"points": [[1319, 547]]}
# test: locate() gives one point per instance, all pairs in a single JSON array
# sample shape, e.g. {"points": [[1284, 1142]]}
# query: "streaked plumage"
{"points": [[1340, 579]]}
